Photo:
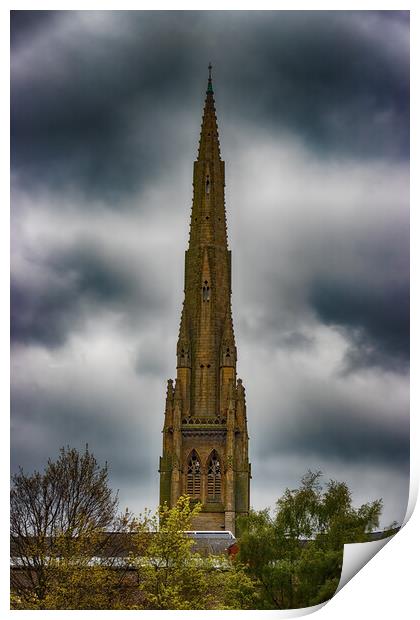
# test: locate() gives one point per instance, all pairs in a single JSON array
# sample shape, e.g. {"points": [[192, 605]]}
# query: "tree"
{"points": [[172, 576], [63, 522], [70, 549], [296, 556]]}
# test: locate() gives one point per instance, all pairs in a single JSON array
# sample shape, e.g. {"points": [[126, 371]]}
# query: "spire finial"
{"points": [[210, 85]]}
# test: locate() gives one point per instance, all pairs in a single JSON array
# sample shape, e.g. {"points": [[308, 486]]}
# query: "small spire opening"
{"points": [[206, 291]]}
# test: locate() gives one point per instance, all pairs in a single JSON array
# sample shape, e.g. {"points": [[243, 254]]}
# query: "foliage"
{"points": [[169, 574], [233, 588], [62, 521], [296, 556], [71, 550], [172, 576]]}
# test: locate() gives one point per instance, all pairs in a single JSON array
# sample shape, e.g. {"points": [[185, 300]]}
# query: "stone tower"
{"points": [[205, 438]]}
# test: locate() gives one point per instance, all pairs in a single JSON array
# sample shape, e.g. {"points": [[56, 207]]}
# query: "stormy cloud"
{"points": [[313, 112], [69, 284]]}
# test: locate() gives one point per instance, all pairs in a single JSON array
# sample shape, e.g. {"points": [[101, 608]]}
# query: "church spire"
{"points": [[208, 217], [209, 148], [202, 412]]}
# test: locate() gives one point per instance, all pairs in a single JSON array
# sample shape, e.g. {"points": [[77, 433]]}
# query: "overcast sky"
{"points": [[313, 111]]}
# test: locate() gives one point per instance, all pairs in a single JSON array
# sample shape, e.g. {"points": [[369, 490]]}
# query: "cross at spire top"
{"points": [[209, 84]]}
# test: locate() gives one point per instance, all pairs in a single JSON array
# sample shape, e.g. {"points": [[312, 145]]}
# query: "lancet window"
{"points": [[214, 478], [194, 476]]}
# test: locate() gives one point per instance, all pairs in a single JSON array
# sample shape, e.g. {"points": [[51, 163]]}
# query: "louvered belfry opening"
{"points": [[214, 478], [194, 476]]}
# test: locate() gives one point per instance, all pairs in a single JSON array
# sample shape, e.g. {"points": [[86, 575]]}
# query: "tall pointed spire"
{"points": [[209, 147], [208, 217], [202, 412]]}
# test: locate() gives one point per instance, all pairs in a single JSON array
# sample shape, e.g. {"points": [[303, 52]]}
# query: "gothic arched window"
{"points": [[194, 476], [214, 478], [207, 184]]}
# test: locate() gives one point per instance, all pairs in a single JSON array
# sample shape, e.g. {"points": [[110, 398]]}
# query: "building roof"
{"points": [[120, 545]]}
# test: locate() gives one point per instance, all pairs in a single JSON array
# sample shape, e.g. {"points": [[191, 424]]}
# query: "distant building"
{"points": [[205, 437]]}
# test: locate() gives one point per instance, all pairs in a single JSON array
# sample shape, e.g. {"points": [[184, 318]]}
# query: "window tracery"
{"points": [[194, 476], [214, 478]]}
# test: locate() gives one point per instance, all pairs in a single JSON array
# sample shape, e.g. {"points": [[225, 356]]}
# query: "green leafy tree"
{"points": [[296, 556], [63, 525], [233, 588], [70, 549], [172, 576]]}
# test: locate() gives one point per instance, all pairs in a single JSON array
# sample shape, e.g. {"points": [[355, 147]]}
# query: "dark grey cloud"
{"points": [[371, 303], [341, 431], [329, 245], [95, 112], [150, 362], [338, 79], [27, 23], [371, 310], [334, 78], [69, 416], [80, 281], [376, 321]]}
